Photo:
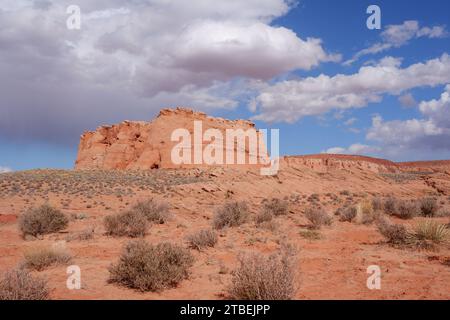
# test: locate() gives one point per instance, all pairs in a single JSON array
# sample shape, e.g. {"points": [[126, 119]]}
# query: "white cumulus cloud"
{"points": [[291, 100], [416, 138], [395, 36]]}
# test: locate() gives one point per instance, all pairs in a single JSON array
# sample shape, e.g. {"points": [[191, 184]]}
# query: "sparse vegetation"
{"points": [[19, 284], [148, 267], [276, 207], [377, 204], [231, 214], [153, 210], [406, 209], [263, 216], [347, 214], [130, 223], [261, 277], [92, 183], [428, 234], [311, 234], [390, 205], [42, 258], [368, 212], [395, 234], [429, 207], [42, 220], [318, 217], [202, 239]]}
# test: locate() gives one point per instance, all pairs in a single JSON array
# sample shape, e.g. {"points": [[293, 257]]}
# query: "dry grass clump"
{"points": [[41, 258], [19, 284], [406, 209], [42, 220], [148, 267], [395, 234], [202, 239], [130, 223], [231, 214], [347, 214], [318, 218], [368, 212], [260, 277], [276, 207], [153, 210], [428, 207], [428, 234]]}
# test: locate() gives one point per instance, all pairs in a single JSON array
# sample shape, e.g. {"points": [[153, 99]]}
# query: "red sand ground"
{"points": [[333, 267]]}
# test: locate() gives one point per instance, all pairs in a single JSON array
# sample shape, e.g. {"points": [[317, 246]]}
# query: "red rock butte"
{"points": [[148, 145], [140, 145]]}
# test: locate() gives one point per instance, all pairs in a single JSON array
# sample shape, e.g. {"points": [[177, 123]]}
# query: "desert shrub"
{"points": [[231, 214], [41, 258], [130, 223], [395, 234], [310, 234], [42, 220], [202, 239], [260, 277], [318, 217], [377, 204], [148, 267], [19, 284], [428, 207], [406, 209], [428, 234], [390, 205], [263, 216], [153, 210], [347, 214], [276, 207]]}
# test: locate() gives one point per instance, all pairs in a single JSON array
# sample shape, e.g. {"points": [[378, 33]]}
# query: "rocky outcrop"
{"points": [[329, 162], [148, 145]]}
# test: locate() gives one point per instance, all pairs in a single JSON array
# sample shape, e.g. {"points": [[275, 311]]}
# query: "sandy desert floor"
{"points": [[332, 267]]}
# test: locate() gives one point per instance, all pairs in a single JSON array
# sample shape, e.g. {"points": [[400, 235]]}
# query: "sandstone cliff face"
{"points": [[329, 162], [147, 145]]}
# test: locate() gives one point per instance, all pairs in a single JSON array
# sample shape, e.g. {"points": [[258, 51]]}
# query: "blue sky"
{"points": [[394, 103]]}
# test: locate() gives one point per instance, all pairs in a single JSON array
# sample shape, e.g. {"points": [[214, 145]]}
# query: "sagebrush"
{"points": [[202, 239], [19, 284], [260, 277], [318, 217], [130, 223], [231, 214], [155, 211], [42, 257], [148, 267], [42, 220], [276, 207]]}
